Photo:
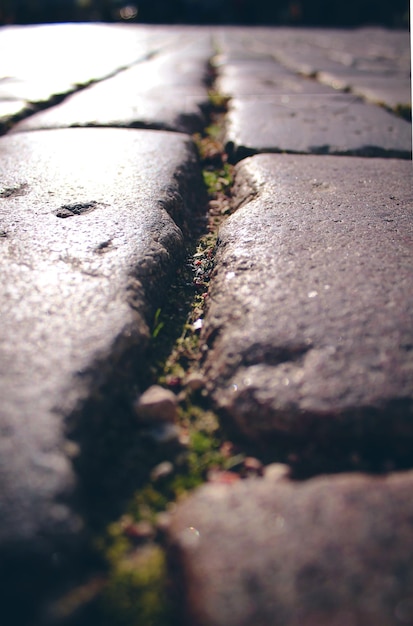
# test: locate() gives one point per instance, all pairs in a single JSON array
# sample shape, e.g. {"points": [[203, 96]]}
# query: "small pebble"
{"points": [[157, 404], [195, 381], [277, 471], [252, 467], [162, 470]]}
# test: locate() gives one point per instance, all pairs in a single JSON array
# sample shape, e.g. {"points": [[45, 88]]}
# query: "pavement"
{"points": [[307, 336]]}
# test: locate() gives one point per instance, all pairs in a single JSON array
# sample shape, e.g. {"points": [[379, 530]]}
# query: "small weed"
{"points": [[157, 325], [218, 181]]}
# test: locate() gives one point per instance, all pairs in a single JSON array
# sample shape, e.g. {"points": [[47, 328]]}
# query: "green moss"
{"points": [[136, 594], [218, 180], [218, 100], [148, 502]]}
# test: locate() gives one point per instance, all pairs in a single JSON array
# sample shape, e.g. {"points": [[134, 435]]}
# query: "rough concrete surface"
{"points": [[310, 319], [89, 241], [331, 551]]}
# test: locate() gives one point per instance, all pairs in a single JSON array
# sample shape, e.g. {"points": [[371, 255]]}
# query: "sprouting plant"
{"points": [[157, 324]]}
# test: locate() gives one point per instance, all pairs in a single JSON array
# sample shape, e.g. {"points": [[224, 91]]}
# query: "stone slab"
{"points": [[167, 91], [389, 90], [330, 551], [255, 79], [325, 124], [41, 64], [310, 320], [362, 55], [65, 55], [91, 230]]}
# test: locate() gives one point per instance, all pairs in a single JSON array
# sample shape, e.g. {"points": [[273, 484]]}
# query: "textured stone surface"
{"points": [[258, 78], [310, 317], [331, 551], [272, 109], [89, 240], [41, 63], [167, 91], [386, 89], [326, 124], [361, 54]]}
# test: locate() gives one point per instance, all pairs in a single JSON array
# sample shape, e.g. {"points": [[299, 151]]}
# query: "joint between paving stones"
{"points": [[132, 584], [201, 451]]}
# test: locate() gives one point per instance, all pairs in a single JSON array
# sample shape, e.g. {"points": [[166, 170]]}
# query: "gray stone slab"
{"points": [[40, 64], [167, 91], [310, 319], [325, 124], [56, 57], [331, 551], [373, 62], [312, 50], [392, 91], [257, 79], [91, 229]]}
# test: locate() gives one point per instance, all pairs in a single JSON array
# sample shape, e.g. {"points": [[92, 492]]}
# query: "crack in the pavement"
{"points": [[204, 452]]}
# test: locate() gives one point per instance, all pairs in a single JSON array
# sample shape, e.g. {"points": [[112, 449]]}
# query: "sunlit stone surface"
{"points": [[310, 318], [167, 90]]}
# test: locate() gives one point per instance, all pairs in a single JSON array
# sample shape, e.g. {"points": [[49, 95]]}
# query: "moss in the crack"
{"points": [[136, 593], [218, 101], [218, 180], [173, 358], [137, 588], [137, 585], [404, 111]]}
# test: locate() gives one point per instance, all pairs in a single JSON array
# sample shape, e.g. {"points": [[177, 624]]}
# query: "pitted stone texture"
{"points": [[167, 91], [322, 124], [331, 551], [88, 246], [310, 317]]}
